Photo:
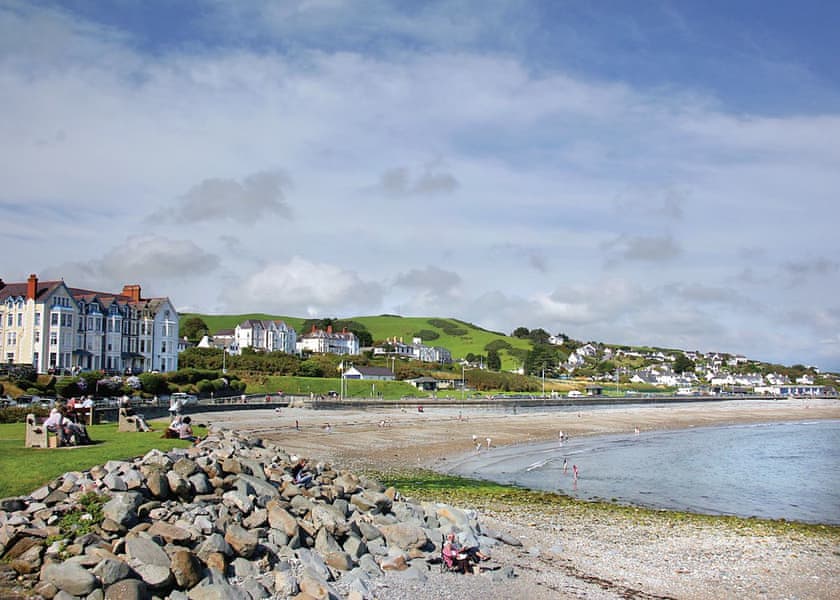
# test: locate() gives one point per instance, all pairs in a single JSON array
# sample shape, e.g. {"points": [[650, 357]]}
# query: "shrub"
{"points": [[426, 335]]}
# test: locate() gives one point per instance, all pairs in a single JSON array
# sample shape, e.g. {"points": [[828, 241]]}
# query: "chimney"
{"points": [[31, 287], [132, 291]]}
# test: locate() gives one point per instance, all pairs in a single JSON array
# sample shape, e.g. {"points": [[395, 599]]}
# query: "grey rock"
{"points": [[155, 576], [127, 589], [71, 578], [111, 570], [122, 508], [144, 551]]}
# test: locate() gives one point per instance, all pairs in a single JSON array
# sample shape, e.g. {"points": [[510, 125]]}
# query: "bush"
{"points": [[205, 386], [67, 387], [427, 335]]}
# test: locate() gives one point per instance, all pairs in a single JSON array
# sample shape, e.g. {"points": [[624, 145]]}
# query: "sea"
{"points": [[785, 471]]}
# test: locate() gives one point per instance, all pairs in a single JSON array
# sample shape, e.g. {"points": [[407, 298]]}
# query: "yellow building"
{"points": [[57, 328]]}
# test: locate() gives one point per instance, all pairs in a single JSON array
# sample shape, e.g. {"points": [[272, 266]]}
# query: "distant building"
{"points": [[375, 373], [55, 327], [319, 341], [265, 335], [415, 350]]}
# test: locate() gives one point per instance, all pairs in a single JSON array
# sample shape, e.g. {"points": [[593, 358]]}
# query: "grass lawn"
{"points": [[23, 470]]}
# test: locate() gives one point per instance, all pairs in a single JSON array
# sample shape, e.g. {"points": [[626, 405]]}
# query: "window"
{"points": [[52, 359], [35, 357], [20, 320], [11, 338], [10, 319], [37, 319], [53, 338], [10, 357], [53, 318], [37, 337], [90, 323]]}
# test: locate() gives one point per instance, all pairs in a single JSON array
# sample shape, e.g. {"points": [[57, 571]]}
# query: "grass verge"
{"points": [[22, 470]]}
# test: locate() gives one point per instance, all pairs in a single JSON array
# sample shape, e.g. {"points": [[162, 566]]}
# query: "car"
{"points": [[186, 399]]}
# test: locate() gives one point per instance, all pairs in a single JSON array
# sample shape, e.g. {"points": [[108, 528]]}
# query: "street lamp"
{"points": [[224, 356], [543, 381], [463, 381]]}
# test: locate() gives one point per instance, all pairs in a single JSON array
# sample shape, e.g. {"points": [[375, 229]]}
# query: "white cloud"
{"points": [[155, 261], [300, 287]]}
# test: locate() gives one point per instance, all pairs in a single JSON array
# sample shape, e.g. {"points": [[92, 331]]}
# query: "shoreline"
{"points": [[573, 549]]}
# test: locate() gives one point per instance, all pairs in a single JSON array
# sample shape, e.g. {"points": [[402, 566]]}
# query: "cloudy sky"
{"points": [[653, 172]]}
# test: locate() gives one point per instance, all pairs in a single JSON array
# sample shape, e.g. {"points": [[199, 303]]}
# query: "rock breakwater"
{"points": [[222, 520]]}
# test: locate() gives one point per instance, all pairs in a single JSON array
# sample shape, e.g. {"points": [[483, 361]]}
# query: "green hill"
{"points": [[458, 337]]}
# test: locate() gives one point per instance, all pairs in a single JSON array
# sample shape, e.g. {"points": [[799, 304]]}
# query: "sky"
{"points": [[646, 173]]}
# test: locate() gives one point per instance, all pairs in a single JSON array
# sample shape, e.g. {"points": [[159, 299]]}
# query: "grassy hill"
{"points": [[458, 337]]}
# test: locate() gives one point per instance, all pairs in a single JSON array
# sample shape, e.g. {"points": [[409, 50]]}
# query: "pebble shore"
{"points": [[585, 552]]}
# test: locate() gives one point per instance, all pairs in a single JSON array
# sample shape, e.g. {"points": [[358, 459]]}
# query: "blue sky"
{"points": [[656, 173]]}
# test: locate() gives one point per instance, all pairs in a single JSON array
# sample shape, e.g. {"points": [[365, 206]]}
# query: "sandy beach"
{"points": [[575, 553]]}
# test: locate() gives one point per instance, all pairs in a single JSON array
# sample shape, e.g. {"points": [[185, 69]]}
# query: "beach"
{"points": [[572, 551]]}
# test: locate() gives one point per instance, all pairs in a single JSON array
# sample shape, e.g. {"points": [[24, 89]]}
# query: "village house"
{"points": [[265, 335], [319, 341], [369, 373], [416, 350]]}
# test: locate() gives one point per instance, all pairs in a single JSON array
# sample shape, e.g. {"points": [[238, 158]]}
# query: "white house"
{"points": [[374, 373], [319, 341], [265, 335]]}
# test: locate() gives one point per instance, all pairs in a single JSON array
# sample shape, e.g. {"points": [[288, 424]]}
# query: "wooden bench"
{"points": [[86, 416], [37, 434]]}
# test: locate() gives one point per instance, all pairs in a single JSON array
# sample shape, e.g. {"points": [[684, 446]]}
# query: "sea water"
{"points": [[777, 471]]}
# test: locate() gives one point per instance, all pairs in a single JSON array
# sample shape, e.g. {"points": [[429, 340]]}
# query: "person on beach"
{"points": [[301, 474], [488, 443], [460, 557], [575, 472], [297, 424], [565, 465]]}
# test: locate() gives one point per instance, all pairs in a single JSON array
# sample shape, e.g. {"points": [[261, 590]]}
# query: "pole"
{"points": [[463, 382], [543, 381]]}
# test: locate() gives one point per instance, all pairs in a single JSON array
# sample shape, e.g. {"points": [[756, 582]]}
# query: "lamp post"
{"points": [[463, 381], [224, 356], [543, 381]]}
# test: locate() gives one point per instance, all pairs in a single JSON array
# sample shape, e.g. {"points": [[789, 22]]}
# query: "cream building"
{"points": [[55, 327]]}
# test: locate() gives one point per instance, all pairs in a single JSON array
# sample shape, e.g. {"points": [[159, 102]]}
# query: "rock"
{"points": [[338, 560], [214, 543], [110, 571], [145, 552], [316, 589], [122, 508], [243, 542], [155, 576], [70, 577], [313, 562], [285, 583], [127, 589], [393, 563], [405, 536], [157, 483], [29, 561], [217, 591], [186, 569], [280, 518], [172, 534]]}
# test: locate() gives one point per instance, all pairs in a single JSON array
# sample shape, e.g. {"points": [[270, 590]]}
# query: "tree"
{"points": [[539, 336], [683, 364], [543, 356], [494, 361], [194, 328], [520, 332]]}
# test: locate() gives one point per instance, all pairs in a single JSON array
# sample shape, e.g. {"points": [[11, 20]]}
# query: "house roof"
{"points": [[13, 290], [380, 371]]}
